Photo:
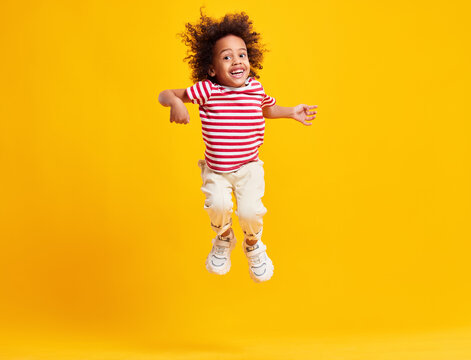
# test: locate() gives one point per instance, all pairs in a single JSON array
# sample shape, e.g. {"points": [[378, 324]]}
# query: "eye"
{"points": [[227, 57], [243, 55]]}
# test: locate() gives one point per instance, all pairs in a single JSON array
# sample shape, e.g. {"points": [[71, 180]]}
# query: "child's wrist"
{"points": [[175, 102], [292, 113]]}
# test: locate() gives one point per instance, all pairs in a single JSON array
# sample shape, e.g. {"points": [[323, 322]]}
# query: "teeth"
{"points": [[237, 72]]}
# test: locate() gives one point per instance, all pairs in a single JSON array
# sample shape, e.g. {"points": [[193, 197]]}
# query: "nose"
{"points": [[236, 60]]}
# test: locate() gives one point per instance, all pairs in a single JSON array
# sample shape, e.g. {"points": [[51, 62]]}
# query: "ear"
{"points": [[211, 71]]}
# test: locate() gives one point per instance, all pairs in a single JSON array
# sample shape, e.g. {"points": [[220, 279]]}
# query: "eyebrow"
{"points": [[231, 49]]}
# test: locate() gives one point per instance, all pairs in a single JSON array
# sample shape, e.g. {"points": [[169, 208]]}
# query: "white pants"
{"points": [[248, 185]]}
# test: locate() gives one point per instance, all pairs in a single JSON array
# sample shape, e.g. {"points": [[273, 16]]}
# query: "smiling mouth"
{"points": [[237, 73]]}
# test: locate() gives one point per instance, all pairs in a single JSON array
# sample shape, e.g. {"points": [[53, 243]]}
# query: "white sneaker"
{"points": [[260, 265], [219, 259]]}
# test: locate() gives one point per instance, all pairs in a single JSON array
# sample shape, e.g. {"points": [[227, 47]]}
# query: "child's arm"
{"points": [[175, 99], [300, 113]]}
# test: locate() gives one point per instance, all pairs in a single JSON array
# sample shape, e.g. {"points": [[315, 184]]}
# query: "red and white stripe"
{"points": [[232, 122]]}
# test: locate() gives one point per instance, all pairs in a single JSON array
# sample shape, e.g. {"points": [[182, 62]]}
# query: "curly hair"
{"points": [[202, 36]]}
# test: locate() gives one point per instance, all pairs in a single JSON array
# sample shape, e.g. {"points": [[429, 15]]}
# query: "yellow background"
{"points": [[102, 226]]}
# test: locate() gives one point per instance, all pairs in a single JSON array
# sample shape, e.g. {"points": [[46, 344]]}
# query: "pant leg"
{"points": [[249, 190], [218, 203]]}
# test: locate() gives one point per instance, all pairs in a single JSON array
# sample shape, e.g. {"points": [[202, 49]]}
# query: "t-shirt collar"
{"points": [[247, 83]]}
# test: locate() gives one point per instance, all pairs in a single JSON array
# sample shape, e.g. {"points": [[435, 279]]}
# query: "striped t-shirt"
{"points": [[232, 122]]}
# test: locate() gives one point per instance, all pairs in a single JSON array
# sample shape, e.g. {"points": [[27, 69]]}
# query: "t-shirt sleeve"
{"points": [[200, 92], [268, 101]]}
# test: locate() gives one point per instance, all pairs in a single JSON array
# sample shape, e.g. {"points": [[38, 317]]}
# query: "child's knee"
{"points": [[218, 204], [250, 211]]}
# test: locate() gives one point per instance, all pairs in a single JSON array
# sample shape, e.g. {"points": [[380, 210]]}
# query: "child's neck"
{"points": [[246, 83]]}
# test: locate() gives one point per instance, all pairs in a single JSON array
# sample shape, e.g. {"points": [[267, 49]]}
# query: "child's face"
{"points": [[230, 64]]}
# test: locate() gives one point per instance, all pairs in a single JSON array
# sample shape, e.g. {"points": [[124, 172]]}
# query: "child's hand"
{"points": [[179, 113], [303, 114]]}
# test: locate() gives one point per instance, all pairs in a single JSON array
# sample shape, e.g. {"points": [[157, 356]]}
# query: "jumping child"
{"points": [[225, 56]]}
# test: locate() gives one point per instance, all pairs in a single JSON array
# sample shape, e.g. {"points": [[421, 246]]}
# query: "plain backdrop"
{"points": [[102, 226]]}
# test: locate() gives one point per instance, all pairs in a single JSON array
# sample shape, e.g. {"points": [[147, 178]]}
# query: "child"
{"points": [[225, 56]]}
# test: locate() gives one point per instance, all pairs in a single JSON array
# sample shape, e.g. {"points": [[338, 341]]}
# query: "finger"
{"points": [[312, 106], [310, 118], [181, 121], [311, 112], [304, 122]]}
